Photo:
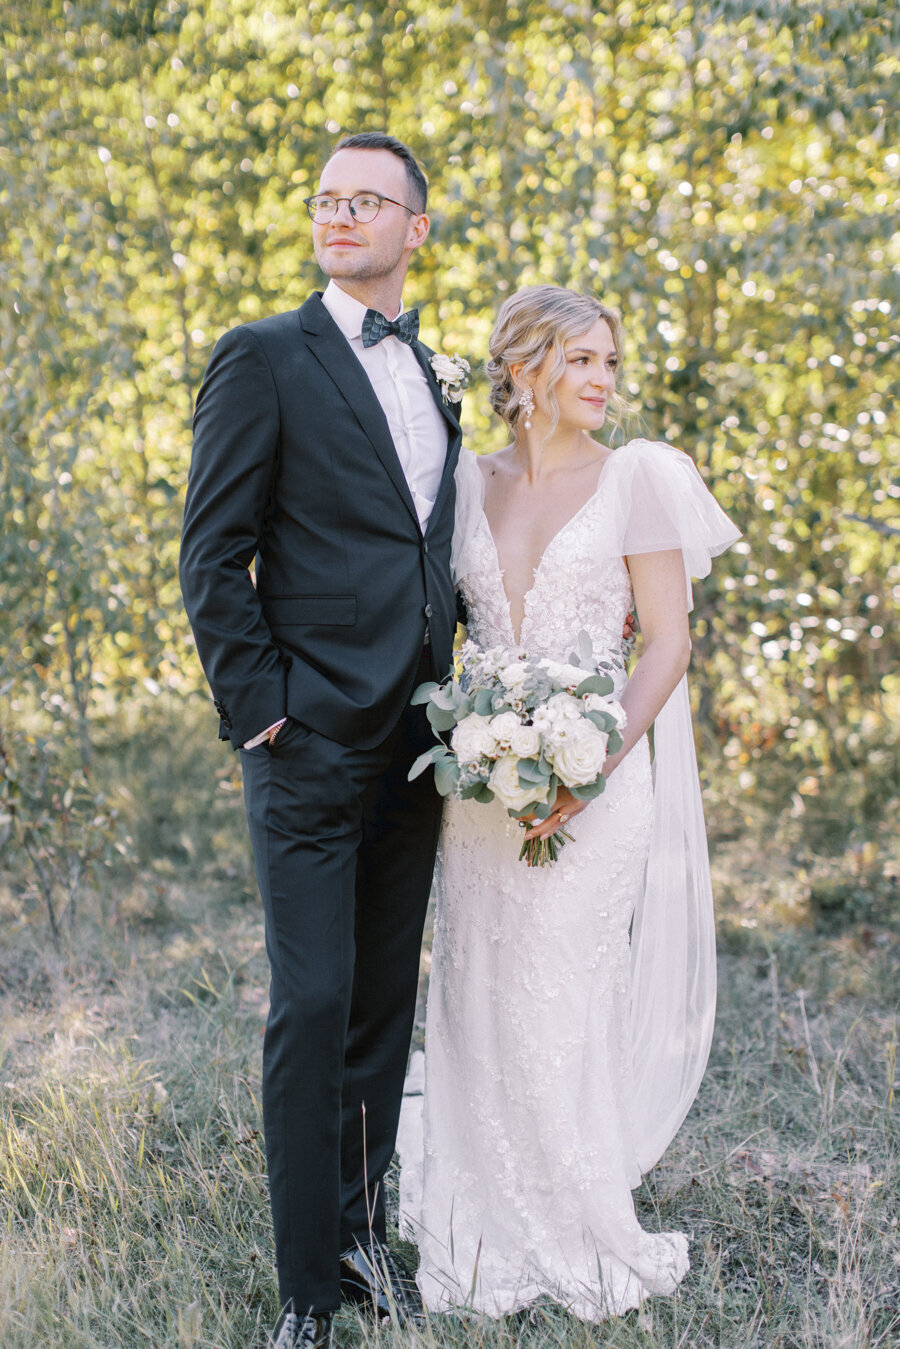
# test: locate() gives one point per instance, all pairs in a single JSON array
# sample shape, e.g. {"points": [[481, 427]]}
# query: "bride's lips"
{"points": [[596, 402]]}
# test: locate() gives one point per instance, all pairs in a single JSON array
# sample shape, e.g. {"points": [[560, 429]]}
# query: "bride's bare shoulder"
{"points": [[499, 461]]}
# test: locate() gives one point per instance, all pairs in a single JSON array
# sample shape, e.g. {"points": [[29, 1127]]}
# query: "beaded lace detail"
{"points": [[555, 614]]}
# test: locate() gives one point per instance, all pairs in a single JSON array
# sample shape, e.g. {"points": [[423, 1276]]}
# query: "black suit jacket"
{"points": [[294, 465]]}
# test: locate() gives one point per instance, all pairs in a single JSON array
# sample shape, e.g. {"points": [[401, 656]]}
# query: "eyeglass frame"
{"points": [[337, 201]]}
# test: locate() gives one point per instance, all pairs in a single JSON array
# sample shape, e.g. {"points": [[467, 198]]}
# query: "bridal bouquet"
{"points": [[519, 727]]}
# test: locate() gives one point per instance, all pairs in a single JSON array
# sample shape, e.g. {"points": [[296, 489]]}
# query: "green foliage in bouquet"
{"points": [[519, 729]]}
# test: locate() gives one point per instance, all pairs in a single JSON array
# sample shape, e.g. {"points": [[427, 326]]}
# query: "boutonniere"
{"points": [[452, 373]]}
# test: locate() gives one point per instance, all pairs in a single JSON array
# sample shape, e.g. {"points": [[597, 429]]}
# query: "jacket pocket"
{"points": [[283, 611]]}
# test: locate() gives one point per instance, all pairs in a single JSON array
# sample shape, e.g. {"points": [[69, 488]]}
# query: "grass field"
{"points": [[133, 1209]]}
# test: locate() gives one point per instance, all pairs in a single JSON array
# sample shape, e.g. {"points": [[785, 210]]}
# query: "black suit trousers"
{"points": [[344, 848]]}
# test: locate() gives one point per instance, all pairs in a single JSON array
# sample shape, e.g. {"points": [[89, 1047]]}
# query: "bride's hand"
{"points": [[565, 807]]}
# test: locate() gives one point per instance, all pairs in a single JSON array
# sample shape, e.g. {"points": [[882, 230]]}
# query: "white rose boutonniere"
{"points": [[452, 373]]}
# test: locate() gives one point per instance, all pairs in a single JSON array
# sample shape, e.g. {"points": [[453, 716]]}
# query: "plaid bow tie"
{"points": [[376, 326]]}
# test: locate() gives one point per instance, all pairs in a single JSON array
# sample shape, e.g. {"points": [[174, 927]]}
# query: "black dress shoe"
{"points": [[304, 1332], [374, 1275]]}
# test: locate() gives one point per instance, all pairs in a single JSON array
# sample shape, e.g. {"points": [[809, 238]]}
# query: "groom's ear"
{"points": [[419, 225]]}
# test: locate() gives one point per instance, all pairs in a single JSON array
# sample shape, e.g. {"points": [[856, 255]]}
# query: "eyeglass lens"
{"points": [[363, 207]]}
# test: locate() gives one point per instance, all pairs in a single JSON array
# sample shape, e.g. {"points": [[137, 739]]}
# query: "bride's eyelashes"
{"points": [[612, 364]]}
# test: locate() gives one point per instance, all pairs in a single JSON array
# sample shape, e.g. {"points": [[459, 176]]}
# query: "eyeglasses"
{"points": [[364, 206]]}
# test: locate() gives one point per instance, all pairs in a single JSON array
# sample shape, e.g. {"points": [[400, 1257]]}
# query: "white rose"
{"points": [[445, 367], [504, 727], [472, 737], [578, 753], [504, 783], [513, 676], [525, 743]]}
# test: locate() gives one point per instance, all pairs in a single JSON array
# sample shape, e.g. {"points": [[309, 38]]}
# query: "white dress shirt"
{"points": [[401, 387], [417, 428]]}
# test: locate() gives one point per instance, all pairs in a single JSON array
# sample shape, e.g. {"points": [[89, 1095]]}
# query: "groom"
{"points": [[324, 453]]}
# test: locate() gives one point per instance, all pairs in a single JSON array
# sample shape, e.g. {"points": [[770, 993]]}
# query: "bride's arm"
{"points": [[657, 580], [661, 601]]}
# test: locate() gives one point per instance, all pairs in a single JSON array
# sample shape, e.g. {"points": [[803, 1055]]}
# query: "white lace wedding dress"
{"points": [[560, 1055]]}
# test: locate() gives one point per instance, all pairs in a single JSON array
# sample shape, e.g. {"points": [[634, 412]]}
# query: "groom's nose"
{"points": [[342, 215]]}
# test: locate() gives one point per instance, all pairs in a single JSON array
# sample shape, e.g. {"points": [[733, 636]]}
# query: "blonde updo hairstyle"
{"points": [[536, 322]]}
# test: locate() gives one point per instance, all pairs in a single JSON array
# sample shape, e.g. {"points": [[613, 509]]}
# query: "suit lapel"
{"points": [[454, 430], [337, 358], [331, 349]]}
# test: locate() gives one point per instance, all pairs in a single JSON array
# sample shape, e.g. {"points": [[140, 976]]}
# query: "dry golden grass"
{"points": [[133, 1209]]}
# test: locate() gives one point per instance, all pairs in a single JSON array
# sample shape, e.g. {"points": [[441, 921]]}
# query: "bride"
{"points": [[570, 1006]]}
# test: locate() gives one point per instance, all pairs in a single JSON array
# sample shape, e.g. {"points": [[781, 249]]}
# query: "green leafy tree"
{"points": [[727, 174]]}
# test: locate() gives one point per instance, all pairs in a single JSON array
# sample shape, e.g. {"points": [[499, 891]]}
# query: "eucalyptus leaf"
{"points": [[533, 773], [597, 683], [583, 656], [440, 720], [423, 693], [445, 697], [446, 775], [429, 757], [482, 703]]}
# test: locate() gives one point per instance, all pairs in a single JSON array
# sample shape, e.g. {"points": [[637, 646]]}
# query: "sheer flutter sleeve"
{"points": [[663, 503], [469, 505]]}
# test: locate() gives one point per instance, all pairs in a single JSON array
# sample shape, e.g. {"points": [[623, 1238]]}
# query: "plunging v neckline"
{"points": [[517, 636]]}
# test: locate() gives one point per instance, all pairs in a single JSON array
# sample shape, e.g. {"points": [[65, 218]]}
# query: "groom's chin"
{"points": [[341, 261], [337, 269]]}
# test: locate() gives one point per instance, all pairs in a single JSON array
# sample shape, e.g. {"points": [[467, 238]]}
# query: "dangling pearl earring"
{"points": [[526, 403]]}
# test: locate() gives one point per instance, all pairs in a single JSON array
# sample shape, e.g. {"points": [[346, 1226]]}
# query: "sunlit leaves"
{"points": [[728, 174]]}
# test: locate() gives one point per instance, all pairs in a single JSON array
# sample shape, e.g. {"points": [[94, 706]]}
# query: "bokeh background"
{"points": [[727, 174]]}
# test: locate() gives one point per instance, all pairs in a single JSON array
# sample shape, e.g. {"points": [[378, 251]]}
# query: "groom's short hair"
{"points": [[416, 181]]}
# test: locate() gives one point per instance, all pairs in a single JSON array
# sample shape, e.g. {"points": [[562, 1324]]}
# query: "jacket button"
{"points": [[428, 611], [425, 549]]}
